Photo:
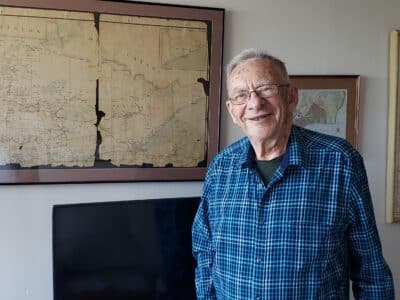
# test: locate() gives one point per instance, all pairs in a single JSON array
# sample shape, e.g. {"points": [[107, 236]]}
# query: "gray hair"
{"points": [[257, 54]]}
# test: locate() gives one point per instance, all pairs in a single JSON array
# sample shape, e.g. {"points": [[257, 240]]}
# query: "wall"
{"points": [[313, 37]]}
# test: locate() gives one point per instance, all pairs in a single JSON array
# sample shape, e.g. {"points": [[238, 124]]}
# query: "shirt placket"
{"points": [[260, 251]]}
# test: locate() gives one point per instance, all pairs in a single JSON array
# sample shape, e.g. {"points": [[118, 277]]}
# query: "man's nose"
{"points": [[255, 101]]}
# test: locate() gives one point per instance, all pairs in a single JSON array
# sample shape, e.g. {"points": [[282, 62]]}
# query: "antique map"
{"points": [[77, 89], [322, 110], [48, 75], [151, 94]]}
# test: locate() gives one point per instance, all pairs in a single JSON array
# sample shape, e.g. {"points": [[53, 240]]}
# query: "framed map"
{"points": [[393, 154], [328, 104], [103, 91]]}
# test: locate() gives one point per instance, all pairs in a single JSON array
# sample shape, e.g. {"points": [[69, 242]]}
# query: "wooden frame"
{"points": [[329, 104], [211, 22], [393, 151]]}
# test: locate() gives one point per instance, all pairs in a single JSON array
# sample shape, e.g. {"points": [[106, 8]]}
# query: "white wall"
{"points": [[313, 37]]}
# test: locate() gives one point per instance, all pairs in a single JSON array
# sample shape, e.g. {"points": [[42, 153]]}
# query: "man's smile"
{"points": [[260, 117]]}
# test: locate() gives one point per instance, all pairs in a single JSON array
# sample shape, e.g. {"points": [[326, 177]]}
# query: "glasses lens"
{"points": [[264, 91], [241, 98], [267, 91]]}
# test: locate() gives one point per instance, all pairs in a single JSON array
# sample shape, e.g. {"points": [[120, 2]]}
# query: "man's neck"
{"points": [[269, 149]]}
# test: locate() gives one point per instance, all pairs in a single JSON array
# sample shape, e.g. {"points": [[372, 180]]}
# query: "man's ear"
{"points": [[229, 107]]}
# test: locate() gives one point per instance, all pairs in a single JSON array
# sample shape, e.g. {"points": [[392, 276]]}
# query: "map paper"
{"points": [[154, 105], [48, 74], [322, 110], [124, 90]]}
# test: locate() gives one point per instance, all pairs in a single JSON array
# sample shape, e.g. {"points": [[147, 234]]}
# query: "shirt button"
{"points": [[259, 260], [258, 298]]}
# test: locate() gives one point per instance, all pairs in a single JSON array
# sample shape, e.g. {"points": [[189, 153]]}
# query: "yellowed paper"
{"points": [[49, 67], [152, 91], [393, 154], [152, 76]]}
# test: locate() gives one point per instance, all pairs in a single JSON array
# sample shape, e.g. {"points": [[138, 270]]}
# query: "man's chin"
{"points": [[260, 135]]}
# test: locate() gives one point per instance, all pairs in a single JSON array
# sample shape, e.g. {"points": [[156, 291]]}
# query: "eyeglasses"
{"points": [[264, 91]]}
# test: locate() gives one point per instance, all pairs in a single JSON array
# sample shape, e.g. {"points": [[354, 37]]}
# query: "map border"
{"points": [[350, 83], [214, 17], [393, 146]]}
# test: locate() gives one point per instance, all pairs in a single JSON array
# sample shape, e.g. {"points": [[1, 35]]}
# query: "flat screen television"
{"points": [[137, 249]]}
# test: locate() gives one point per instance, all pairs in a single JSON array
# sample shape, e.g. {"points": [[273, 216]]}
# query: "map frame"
{"points": [[214, 18], [349, 83], [393, 146]]}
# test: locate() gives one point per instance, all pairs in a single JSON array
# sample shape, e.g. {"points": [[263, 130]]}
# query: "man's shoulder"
{"points": [[234, 153], [315, 141], [236, 148]]}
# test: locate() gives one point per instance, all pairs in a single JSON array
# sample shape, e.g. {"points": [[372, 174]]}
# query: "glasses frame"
{"points": [[249, 92]]}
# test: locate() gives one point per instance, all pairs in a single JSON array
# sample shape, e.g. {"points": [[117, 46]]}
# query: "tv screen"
{"points": [[137, 249]]}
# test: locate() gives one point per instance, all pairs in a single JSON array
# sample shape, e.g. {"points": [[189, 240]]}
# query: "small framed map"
{"points": [[108, 91], [328, 104]]}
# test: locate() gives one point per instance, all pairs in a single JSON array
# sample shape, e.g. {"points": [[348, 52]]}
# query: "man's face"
{"points": [[262, 120]]}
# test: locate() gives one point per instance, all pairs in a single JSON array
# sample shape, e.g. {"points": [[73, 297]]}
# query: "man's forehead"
{"points": [[265, 69], [256, 84]]}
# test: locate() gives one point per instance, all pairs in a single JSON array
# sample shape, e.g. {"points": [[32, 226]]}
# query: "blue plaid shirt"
{"points": [[303, 236]]}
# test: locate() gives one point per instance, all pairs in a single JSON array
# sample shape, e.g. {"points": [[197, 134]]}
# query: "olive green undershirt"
{"points": [[267, 168]]}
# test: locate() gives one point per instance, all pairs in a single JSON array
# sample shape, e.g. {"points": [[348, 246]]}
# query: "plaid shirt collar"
{"points": [[294, 154]]}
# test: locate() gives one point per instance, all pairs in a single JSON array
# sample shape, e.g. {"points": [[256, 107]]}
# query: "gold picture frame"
{"points": [[393, 150], [329, 104]]}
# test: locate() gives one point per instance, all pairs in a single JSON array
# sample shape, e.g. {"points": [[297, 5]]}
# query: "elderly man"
{"points": [[286, 213]]}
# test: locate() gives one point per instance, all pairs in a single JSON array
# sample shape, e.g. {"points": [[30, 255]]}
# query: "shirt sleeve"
{"points": [[371, 276], [202, 246]]}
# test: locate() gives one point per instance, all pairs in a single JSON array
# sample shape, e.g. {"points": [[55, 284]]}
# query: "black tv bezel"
{"points": [[99, 203]]}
